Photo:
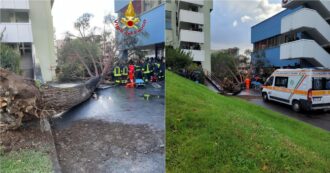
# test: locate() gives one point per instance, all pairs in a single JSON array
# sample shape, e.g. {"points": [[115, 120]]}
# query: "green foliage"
{"points": [[176, 59], [9, 58], [226, 67], [196, 73], [208, 132], [25, 161], [69, 64]]}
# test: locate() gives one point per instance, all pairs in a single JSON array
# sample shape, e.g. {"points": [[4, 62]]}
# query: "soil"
{"points": [[99, 146], [29, 136]]}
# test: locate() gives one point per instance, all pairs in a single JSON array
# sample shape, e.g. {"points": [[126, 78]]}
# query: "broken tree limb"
{"points": [[21, 99]]}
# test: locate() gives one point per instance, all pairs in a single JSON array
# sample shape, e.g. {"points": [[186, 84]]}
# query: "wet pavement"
{"points": [[122, 130], [120, 104], [319, 119]]}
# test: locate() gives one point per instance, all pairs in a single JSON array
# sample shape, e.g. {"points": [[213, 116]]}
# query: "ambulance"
{"points": [[303, 89]]}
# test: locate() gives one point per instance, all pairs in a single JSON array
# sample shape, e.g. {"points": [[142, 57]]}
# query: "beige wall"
{"points": [[172, 37], [43, 37]]}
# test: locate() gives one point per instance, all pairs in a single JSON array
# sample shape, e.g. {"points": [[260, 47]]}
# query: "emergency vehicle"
{"points": [[303, 89]]}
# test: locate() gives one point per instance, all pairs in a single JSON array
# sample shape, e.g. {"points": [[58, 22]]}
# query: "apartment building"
{"points": [[188, 28], [297, 37], [153, 12], [27, 26]]}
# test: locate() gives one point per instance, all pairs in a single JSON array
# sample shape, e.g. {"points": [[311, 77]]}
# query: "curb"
{"points": [[54, 156]]}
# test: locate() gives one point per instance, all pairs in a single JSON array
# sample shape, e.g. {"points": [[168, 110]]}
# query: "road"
{"points": [[120, 131], [319, 119]]}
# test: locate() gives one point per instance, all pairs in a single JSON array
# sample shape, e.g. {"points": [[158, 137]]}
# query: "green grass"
{"points": [[207, 132], [25, 161]]}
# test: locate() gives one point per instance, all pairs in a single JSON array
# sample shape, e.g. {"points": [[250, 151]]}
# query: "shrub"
{"points": [[9, 58]]}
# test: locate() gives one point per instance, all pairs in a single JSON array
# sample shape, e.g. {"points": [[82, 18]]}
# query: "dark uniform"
{"points": [[117, 74], [124, 74], [146, 71], [138, 71]]}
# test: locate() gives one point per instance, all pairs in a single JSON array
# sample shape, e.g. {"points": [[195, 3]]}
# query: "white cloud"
{"points": [[65, 13], [266, 10], [246, 19], [254, 11], [235, 23]]}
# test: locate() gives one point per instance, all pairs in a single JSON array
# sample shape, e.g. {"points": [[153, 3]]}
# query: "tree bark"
{"points": [[21, 99]]}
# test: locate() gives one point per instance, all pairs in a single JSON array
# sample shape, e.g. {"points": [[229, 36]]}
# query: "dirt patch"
{"points": [[98, 146], [29, 136]]}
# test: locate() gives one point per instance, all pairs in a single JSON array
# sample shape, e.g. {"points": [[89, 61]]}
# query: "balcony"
{"points": [[305, 49], [197, 2], [14, 4], [322, 6], [16, 32], [310, 21], [198, 55], [191, 17], [191, 36]]}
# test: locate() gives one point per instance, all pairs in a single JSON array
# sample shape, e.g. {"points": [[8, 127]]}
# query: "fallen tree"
{"points": [[21, 99]]}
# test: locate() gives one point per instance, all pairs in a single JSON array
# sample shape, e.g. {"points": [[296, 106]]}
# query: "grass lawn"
{"points": [[207, 132], [25, 161]]}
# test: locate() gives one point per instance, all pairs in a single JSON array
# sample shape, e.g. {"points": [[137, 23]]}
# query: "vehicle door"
{"points": [[281, 91]]}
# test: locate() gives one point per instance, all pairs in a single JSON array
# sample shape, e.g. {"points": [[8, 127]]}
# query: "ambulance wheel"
{"points": [[265, 97], [296, 106]]}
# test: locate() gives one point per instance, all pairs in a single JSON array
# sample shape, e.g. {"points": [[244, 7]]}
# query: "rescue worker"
{"points": [[138, 70], [161, 75], [156, 69], [146, 71], [247, 83], [117, 74], [124, 74], [131, 70]]}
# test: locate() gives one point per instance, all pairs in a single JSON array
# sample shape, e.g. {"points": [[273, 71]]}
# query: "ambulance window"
{"points": [[269, 82], [321, 83], [281, 82]]}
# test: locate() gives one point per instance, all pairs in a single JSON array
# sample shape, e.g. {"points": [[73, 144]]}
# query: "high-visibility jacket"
{"points": [[147, 69], [124, 71], [157, 67], [137, 68], [116, 71]]}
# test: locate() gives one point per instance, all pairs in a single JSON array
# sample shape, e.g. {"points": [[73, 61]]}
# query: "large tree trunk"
{"points": [[21, 99]]}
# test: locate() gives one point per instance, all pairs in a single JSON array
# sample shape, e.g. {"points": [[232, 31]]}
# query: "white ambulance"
{"points": [[303, 89]]}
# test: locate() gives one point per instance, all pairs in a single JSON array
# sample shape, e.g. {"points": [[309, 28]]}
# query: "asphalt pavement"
{"points": [[319, 119]]}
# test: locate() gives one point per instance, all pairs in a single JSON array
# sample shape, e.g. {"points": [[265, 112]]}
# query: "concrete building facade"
{"points": [[297, 37], [27, 25], [188, 27], [153, 11]]}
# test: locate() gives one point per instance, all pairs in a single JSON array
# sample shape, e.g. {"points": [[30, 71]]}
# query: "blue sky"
{"points": [[231, 21]]}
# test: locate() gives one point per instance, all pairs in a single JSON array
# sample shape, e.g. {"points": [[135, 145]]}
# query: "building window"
{"points": [[10, 16], [168, 20], [22, 17], [150, 4]]}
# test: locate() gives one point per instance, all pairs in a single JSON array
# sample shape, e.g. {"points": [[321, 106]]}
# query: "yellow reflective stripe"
{"points": [[300, 92]]}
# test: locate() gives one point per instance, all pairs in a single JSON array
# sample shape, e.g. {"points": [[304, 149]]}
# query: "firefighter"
{"points": [[146, 71], [161, 75], [138, 70], [124, 74], [117, 74], [156, 70]]}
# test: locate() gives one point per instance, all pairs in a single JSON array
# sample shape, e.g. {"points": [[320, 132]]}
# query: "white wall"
{"points": [[191, 17], [16, 32], [14, 4], [305, 49]]}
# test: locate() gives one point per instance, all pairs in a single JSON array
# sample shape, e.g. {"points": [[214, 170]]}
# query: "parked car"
{"points": [[303, 89]]}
